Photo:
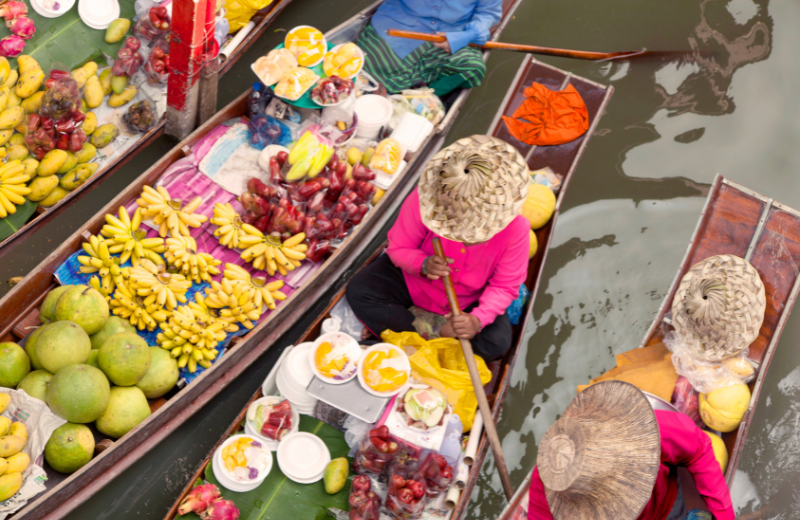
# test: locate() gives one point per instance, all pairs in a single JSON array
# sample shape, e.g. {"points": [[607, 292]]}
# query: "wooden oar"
{"points": [[483, 404], [532, 49]]}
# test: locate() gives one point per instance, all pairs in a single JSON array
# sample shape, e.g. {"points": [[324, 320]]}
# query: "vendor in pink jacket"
{"points": [[470, 196]]}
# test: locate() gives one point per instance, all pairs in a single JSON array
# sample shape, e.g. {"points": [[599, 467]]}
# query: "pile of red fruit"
{"points": [[128, 58], [376, 452], [153, 25], [44, 134], [438, 474], [157, 65], [279, 421], [405, 498], [364, 503]]}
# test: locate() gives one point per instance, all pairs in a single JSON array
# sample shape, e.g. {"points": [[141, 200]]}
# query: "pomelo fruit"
{"points": [[720, 451], [70, 447], [114, 325], [14, 364], [47, 312], [534, 245], [78, 393], [92, 361], [539, 205], [723, 409], [124, 358], [126, 409], [85, 306], [162, 375], [35, 384], [61, 344], [30, 347]]}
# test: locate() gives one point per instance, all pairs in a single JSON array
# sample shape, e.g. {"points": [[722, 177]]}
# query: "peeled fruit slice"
{"points": [[295, 83], [720, 451], [387, 156], [273, 66], [724, 408], [307, 44], [539, 206]]}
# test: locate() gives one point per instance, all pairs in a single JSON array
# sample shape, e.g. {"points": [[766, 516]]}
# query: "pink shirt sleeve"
{"points": [[684, 444], [406, 237], [538, 508]]}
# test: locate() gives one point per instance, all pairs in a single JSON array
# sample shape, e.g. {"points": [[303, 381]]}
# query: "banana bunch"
{"points": [[12, 187], [129, 240], [170, 214], [101, 262], [236, 302], [208, 315], [266, 293], [126, 304], [153, 283], [190, 340], [230, 225], [182, 254], [268, 253]]}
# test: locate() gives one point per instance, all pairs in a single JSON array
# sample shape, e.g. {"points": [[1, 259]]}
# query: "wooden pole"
{"points": [[209, 77], [483, 403]]}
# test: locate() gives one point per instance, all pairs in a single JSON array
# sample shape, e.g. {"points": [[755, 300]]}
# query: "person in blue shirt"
{"points": [[400, 63]]}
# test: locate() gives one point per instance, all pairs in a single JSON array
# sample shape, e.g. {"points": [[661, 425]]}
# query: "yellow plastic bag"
{"points": [[239, 12], [440, 363]]}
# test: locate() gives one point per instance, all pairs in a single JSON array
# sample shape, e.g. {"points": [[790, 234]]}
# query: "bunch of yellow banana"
{"points": [[208, 315], [170, 214], [230, 225], [190, 340], [236, 302], [182, 254], [266, 293], [126, 304], [12, 187], [101, 262], [268, 253], [129, 240], [153, 283]]}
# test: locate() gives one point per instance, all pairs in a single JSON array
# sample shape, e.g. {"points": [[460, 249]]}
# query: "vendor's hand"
{"points": [[445, 45], [435, 267], [464, 326]]}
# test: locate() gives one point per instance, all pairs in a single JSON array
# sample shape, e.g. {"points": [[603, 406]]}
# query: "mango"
{"points": [[87, 153], [335, 476], [105, 81], [3, 466], [4, 99], [3, 153], [354, 156], [82, 74], [76, 177], [69, 164], [5, 69], [17, 152], [104, 135], [117, 100], [5, 400], [11, 445], [5, 423], [51, 163], [26, 63], [90, 124], [18, 463], [18, 429], [118, 84], [83, 108], [11, 117], [22, 128], [5, 135], [29, 83], [13, 100], [90, 68], [117, 29], [93, 93], [33, 103], [11, 81], [54, 198], [17, 139], [41, 187], [9, 485], [367, 156], [30, 167]]}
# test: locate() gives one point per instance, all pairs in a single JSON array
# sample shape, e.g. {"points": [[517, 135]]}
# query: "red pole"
{"points": [[185, 60]]}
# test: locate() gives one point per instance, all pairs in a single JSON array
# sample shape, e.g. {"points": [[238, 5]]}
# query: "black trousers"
{"points": [[380, 299]]}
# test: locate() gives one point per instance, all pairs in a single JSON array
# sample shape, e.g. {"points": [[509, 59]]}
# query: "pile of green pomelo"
{"points": [[88, 367]]}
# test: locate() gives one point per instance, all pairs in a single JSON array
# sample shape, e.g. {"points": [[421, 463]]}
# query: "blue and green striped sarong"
{"points": [[440, 70]]}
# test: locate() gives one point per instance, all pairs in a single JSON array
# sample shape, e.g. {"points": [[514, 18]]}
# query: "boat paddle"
{"points": [[483, 403]]}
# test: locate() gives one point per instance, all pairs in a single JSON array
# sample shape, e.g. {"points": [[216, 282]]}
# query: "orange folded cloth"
{"points": [[650, 369], [549, 117]]}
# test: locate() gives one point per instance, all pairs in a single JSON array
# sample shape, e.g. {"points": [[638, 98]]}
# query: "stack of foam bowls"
{"points": [[293, 377], [250, 427], [374, 112], [225, 478], [98, 14], [303, 457]]}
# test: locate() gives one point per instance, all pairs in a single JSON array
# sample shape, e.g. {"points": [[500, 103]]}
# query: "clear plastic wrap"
{"points": [[272, 67], [407, 489], [295, 83], [62, 95], [422, 102], [307, 44], [375, 451], [331, 91], [156, 68], [141, 116], [365, 503], [706, 376], [684, 398], [152, 24], [265, 130], [387, 157], [438, 474]]}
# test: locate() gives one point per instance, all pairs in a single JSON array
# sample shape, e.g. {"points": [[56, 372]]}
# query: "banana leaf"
{"points": [[69, 41], [279, 498], [10, 224]]}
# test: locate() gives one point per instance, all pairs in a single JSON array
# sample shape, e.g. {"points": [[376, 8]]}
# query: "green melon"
{"points": [[35, 384], [162, 375], [92, 361], [47, 312], [124, 358], [30, 347], [126, 409], [70, 447], [78, 393], [114, 325], [61, 344], [14, 364], [85, 306]]}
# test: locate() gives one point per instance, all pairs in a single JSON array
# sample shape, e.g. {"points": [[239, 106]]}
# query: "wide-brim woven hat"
{"points": [[599, 461], [473, 189], [719, 307]]}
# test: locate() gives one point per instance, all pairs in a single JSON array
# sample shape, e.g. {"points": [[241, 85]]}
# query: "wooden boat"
{"points": [[19, 308], [42, 216], [562, 159], [735, 221]]}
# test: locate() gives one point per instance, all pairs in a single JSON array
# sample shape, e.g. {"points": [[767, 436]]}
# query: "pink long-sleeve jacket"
{"points": [[682, 444], [490, 272]]}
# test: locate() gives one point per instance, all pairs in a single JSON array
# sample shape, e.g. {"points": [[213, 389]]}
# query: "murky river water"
{"points": [[625, 224]]}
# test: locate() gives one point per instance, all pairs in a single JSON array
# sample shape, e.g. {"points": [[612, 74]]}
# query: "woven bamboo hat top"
{"points": [[473, 189], [719, 306], [599, 461]]}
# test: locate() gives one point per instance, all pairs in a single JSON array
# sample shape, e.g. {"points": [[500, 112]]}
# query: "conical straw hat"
{"points": [[719, 306], [473, 189], [600, 460]]}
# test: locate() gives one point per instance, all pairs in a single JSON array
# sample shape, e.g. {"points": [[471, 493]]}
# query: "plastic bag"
{"points": [[62, 95], [438, 474], [440, 363], [706, 376], [364, 503], [350, 324], [684, 398], [422, 102], [407, 490], [331, 91], [375, 451], [239, 12], [265, 130], [153, 24], [547, 177], [157, 65], [141, 117], [514, 310]]}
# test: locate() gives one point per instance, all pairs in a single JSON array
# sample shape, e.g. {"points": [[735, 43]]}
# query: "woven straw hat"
{"points": [[719, 306], [600, 460], [473, 189]]}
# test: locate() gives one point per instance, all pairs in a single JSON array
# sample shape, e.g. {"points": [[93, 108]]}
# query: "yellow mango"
{"points": [[54, 198], [5, 423], [5, 400], [33, 103], [90, 68], [22, 128], [18, 463], [26, 63], [30, 167], [5, 69], [76, 177], [51, 163], [117, 29], [11, 80], [9, 485], [117, 100], [93, 93], [3, 153], [3, 466], [119, 84], [11, 117], [104, 135], [11, 445], [69, 164], [13, 100], [41, 187], [87, 153], [5, 135], [17, 152], [105, 81], [29, 83], [3, 99], [18, 429], [17, 139], [90, 123], [80, 76]]}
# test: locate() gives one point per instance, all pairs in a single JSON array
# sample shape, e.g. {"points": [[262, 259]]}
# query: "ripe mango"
{"points": [[33, 103], [26, 63], [22, 128], [5, 400], [93, 93], [3, 466], [76, 177], [5, 423], [5, 135], [87, 153], [117, 100], [11, 81], [18, 463], [69, 164], [5, 69], [104, 135], [367, 156], [41, 187], [16, 152], [9, 485], [82, 74], [17, 139], [11, 117], [51, 163], [119, 84], [54, 198], [90, 123], [13, 100], [105, 81], [29, 83], [117, 29], [335, 476], [3, 99], [11, 445], [3, 153], [30, 167]]}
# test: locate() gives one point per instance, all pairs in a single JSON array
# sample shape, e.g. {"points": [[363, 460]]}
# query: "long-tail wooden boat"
{"points": [[21, 304], [563, 160], [735, 221], [42, 216]]}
